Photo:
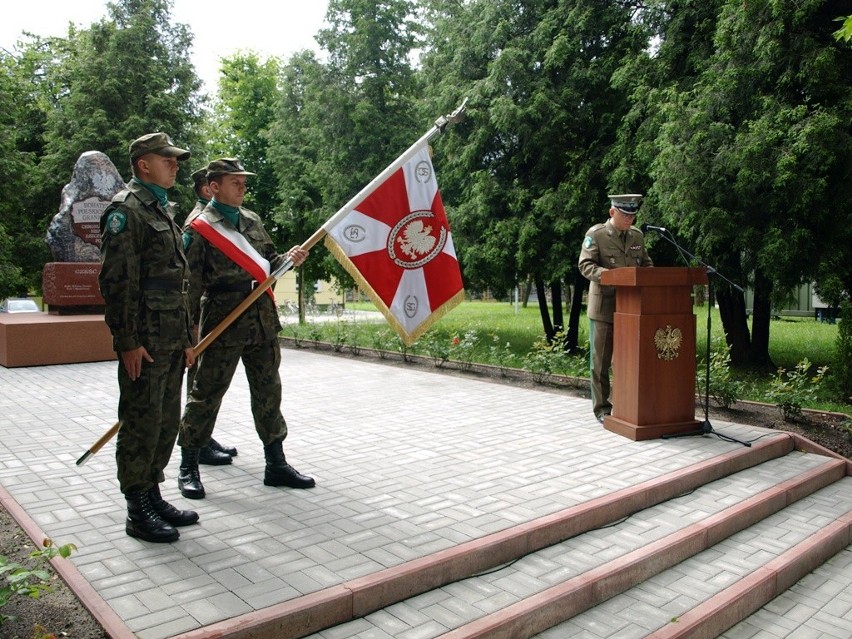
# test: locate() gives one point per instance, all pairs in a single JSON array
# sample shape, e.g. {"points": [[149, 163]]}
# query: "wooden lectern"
{"points": [[653, 388]]}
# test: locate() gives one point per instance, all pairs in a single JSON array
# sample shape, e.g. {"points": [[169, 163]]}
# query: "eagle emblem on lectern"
{"points": [[668, 341]]}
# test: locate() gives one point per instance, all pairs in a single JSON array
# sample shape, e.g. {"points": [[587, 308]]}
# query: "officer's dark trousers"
{"points": [[600, 360], [149, 412], [216, 368]]}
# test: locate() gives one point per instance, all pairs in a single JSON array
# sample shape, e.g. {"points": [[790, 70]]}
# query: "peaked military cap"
{"points": [[158, 143], [628, 203], [226, 166]]}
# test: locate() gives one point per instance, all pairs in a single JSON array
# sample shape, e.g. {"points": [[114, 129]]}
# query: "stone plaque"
{"points": [[86, 219], [71, 284]]}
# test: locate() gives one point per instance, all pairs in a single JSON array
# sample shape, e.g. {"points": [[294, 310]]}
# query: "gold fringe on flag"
{"points": [[407, 338]]}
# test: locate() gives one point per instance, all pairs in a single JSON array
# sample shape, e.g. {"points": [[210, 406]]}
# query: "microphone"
{"points": [[648, 227]]}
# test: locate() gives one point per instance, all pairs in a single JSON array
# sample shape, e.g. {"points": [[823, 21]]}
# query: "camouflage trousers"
{"points": [[600, 360], [215, 369], [149, 413]]}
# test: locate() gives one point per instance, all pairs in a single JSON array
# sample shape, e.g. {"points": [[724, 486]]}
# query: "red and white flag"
{"points": [[396, 244]]}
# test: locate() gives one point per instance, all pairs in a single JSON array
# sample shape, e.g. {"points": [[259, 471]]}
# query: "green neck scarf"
{"points": [[231, 213], [159, 192]]}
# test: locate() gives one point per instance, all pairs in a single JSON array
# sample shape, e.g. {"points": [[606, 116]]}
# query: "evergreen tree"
{"points": [[249, 94], [370, 119], [22, 247], [756, 155], [341, 123], [530, 177], [127, 75]]}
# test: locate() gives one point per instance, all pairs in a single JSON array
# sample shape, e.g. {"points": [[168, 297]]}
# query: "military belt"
{"points": [[239, 287], [154, 284]]}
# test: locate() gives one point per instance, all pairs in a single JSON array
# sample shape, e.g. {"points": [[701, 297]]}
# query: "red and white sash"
{"points": [[236, 247]]}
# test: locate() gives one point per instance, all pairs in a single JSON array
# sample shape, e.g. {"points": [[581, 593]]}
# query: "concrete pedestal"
{"points": [[35, 339]]}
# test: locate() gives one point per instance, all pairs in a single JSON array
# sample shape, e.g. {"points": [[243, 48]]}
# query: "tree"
{"points": [[23, 112], [755, 156], [530, 178], [372, 118], [297, 138], [341, 123], [683, 31], [95, 89], [126, 75], [845, 31], [249, 94]]}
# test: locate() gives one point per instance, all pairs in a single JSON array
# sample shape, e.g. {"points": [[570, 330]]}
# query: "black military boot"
{"points": [[228, 450], [169, 513], [213, 457], [279, 472], [143, 522], [189, 479]]}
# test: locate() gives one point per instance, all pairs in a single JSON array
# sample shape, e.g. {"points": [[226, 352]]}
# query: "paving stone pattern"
{"points": [[408, 462]]}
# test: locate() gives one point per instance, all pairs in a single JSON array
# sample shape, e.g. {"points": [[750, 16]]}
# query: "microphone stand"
{"points": [[706, 428]]}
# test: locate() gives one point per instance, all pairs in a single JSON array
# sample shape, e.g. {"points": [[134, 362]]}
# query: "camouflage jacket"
{"points": [[212, 271], [603, 249], [144, 273], [194, 213]]}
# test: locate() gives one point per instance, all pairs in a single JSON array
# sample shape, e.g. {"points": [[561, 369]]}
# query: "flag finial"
{"points": [[453, 118]]}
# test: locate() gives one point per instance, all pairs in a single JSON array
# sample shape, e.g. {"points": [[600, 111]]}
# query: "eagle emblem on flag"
{"points": [[397, 245]]}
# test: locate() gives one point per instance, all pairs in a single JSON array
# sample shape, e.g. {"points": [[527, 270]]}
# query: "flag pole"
{"points": [[440, 125], [203, 344]]}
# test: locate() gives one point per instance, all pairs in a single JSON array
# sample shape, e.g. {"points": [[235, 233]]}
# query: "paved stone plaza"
{"points": [[408, 463]]}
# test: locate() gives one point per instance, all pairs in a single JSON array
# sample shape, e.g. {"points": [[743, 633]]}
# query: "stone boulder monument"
{"points": [[70, 283], [73, 330]]}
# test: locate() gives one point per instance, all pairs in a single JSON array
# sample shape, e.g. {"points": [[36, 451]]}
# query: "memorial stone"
{"points": [[73, 330], [70, 283]]}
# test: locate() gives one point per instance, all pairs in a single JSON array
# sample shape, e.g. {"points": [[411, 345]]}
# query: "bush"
{"points": [[500, 354], [790, 390], [546, 358], [27, 581], [353, 340], [464, 348], [341, 335], [724, 388], [438, 345], [384, 341]]}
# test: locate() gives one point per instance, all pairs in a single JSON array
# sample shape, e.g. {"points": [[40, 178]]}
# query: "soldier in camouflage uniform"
{"points": [[614, 244], [218, 285], [214, 453], [202, 192], [144, 282]]}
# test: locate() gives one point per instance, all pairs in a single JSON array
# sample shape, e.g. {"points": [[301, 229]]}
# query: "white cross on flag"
{"points": [[396, 244]]}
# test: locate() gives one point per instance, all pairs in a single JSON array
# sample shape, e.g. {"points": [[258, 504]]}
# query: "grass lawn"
{"points": [[500, 333]]}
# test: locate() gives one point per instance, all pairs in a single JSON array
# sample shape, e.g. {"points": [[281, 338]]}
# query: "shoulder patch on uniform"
{"points": [[588, 242], [115, 222]]}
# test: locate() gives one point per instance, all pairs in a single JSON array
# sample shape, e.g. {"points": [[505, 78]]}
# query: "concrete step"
{"points": [[818, 605], [566, 578], [361, 596], [708, 593]]}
